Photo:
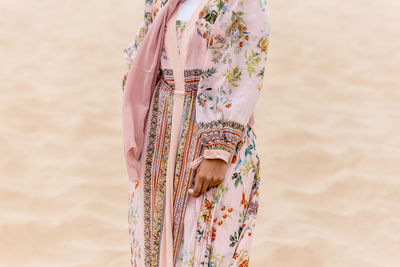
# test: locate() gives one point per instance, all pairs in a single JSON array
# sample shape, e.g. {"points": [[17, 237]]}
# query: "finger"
{"points": [[197, 186], [205, 186]]}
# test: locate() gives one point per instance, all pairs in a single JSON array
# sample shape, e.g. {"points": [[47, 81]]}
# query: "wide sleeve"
{"points": [[133, 46], [233, 75]]}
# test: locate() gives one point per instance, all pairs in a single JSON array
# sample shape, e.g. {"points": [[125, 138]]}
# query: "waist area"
{"points": [[166, 81]]}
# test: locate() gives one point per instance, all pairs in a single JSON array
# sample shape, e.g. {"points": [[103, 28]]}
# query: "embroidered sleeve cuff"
{"points": [[218, 135]]}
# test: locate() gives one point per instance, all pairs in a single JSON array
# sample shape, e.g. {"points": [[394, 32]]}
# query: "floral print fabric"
{"points": [[220, 225], [224, 57], [180, 26]]}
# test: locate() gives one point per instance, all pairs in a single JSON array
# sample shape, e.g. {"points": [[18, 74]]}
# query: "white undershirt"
{"points": [[186, 9]]}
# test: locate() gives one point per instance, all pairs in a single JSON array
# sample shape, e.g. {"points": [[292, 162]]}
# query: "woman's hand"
{"points": [[209, 173]]}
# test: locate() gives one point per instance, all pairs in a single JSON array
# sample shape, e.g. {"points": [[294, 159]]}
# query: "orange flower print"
{"points": [[228, 105], [206, 210], [244, 263], [236, 30], [244, 202], [230, 209], [213, 235], [207, 204], [234, 159], [233, 30], [201, 14], [235, 256]]}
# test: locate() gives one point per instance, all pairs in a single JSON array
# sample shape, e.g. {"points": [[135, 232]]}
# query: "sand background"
{"points": [[327, 126]]}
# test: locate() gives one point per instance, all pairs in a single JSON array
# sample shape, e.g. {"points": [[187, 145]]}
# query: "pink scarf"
{"points": [[139, 88]]}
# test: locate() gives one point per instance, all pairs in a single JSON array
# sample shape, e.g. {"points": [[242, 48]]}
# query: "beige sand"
{"points": [[328, 125]]}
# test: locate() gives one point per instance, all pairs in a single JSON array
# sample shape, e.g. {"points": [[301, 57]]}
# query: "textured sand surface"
{"points": [[327, 126]]}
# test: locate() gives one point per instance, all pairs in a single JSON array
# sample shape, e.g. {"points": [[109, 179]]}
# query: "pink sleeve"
{"points": [[233, 76], [132, 47]]}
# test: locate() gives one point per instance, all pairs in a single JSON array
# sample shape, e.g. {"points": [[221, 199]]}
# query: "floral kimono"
{"points": [[211, 75]]}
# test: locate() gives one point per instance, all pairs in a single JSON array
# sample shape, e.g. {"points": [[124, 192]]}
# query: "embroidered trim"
{"points": [[147, 183], [192, 72], [155, 177], [192, 78], [217, 134], [156, 162], [187, 72], [189, 148]]}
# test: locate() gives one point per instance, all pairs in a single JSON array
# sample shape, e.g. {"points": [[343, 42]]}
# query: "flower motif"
{"points": [[234, 32], [237, 29], [240, 144], [263, 45], [213, 235], [244, 201], [244, 263], [253, 207], [148, 17], [234, 158]]}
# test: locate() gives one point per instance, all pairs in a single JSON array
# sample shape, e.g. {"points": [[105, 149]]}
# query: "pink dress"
{"points": [[211, 75]]}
